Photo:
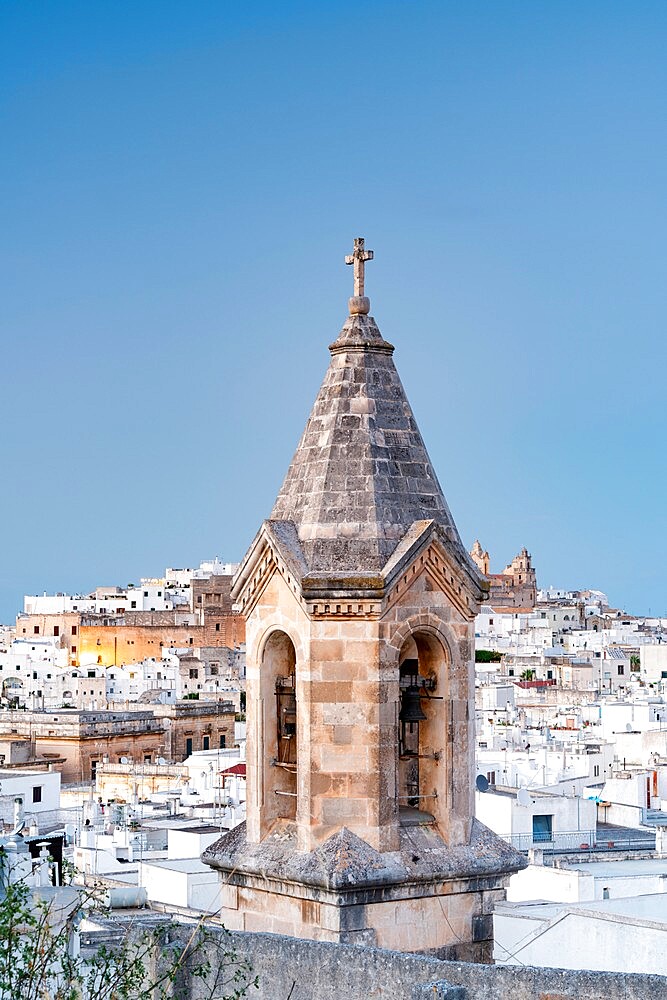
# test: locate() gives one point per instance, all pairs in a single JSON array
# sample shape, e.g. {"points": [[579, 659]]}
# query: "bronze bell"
{"points": [[411, 707]]}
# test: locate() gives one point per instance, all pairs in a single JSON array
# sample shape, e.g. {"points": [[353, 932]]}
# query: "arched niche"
{"points": [[425, 751], [279, 726]]}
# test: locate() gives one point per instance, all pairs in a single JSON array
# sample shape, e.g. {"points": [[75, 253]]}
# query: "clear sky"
{"points": [[179, 184]]}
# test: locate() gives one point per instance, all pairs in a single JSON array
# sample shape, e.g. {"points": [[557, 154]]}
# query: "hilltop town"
{"points": [[359, 744], [122, 739]]}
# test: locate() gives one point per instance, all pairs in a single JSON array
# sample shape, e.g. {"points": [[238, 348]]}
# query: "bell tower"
{"points": [[359, 600]]}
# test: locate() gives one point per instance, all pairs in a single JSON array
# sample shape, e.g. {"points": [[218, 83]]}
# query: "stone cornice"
{"points": [[276, 547]]}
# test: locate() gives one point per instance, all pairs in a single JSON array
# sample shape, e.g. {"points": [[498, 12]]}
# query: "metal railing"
{"points": [[575, 841]]}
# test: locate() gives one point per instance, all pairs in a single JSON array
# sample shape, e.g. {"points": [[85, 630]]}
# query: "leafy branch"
{"points": [[40, 958]]}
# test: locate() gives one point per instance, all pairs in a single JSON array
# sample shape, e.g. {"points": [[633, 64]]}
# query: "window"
{"points": [[490, 621], [621, 669], [596, 770], [35, 629], [214, 671], [223, 741], [194, 673], [56, 630], [217, 626], [73, 629], [147, 759], [188, 746], [37, 793], [206, 743], [605, 892], [91, 673], [159, 593], [542, 829], [74, 649], [145, 593], [191, 640]]}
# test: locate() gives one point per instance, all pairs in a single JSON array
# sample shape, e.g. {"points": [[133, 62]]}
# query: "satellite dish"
{"points": [[523, 797], [482, 783], [161, 761], [628, 727], [123, 760]]}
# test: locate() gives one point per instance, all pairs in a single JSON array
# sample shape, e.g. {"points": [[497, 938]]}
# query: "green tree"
{"points": [[39, 962], [488, 656]]}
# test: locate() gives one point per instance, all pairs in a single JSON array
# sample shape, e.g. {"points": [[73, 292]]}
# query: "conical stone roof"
{"points": [[361, 475]]}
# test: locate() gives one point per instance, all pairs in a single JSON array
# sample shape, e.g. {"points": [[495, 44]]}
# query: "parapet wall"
{"points": [[312, 970]]}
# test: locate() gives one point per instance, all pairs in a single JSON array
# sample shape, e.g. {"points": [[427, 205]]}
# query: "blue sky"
{"points": [[179, 185]]}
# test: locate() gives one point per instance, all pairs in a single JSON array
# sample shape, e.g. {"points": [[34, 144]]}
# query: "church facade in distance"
{"points": [[515, 587], [359, 600]]}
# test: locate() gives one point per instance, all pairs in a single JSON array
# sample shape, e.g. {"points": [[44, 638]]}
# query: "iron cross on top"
{"points": [[358, 257]]}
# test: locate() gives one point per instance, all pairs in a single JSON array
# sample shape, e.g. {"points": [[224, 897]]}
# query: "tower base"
{"points": [[425, 897]]}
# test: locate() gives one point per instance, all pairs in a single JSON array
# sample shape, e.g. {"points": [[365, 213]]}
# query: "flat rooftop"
{"points": [[201, 828], [186, 866], [632, 868], [651, 909]]}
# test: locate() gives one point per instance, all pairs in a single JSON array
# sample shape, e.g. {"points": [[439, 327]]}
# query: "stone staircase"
{"points": [[654, 817]]}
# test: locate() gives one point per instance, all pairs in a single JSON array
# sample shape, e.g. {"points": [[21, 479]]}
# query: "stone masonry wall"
{"points": [[309, 970]]}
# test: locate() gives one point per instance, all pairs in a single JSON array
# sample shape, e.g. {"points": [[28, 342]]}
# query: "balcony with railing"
{"points": [[605, 839]]}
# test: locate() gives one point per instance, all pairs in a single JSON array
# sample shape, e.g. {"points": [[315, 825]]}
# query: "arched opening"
{"points": [[278, 685], [12, 692], [424, 759]]}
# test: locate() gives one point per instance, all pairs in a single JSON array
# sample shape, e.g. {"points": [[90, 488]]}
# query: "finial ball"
{"points": [[360, 305]]}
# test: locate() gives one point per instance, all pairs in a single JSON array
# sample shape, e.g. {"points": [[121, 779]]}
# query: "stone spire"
{"points": [[361, 475]]}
